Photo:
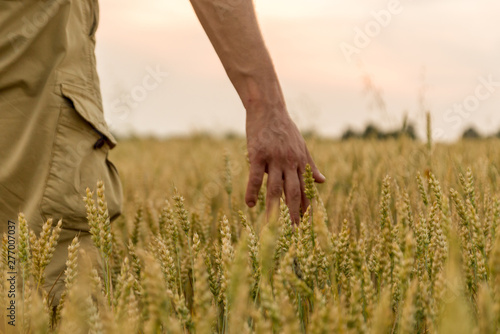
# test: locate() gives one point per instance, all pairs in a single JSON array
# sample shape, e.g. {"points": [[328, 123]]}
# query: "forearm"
{"points": [[232, 28], [274, 143]]}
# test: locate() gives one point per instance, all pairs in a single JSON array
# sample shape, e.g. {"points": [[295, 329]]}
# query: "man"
{"points": [[53, 137]]}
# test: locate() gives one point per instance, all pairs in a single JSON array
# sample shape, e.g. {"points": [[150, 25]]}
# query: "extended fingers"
{"points": [[255, 177], [293, 194], [274, 187], [318, 177], [304, 200]]}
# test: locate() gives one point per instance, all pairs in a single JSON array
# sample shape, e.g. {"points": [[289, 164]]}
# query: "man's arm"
{"points": [[275, 145]]}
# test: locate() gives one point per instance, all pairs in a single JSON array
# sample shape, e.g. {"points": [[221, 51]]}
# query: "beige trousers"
{"points": [[54, 141]]}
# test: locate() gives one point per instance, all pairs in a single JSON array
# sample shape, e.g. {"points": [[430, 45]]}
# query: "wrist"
{"points": [[262, 96]]}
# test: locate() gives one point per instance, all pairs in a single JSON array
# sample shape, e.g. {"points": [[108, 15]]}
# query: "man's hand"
{"points": [[275, 146]]}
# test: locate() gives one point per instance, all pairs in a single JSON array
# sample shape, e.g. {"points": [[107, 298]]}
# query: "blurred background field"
{"points": [[402, 238], [150, 168]]}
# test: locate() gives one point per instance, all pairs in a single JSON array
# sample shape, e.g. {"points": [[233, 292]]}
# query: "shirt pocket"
{"points": [[79, 159]]}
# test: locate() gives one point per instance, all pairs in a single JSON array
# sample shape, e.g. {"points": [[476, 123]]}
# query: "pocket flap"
{"points": [[88, 109]]}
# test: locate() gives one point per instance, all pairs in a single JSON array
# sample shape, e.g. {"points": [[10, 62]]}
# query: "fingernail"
{"points": [[251, 203], [322, 175]]}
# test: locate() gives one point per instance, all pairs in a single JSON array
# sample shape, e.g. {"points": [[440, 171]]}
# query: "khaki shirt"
{"points": [[54, 140]]}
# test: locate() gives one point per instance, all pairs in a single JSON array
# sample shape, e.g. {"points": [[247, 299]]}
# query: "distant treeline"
{"points": [[472, 133], [373, 132]]}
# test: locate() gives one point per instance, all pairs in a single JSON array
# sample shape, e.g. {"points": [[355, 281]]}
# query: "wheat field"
{"points": [[401, 238]]}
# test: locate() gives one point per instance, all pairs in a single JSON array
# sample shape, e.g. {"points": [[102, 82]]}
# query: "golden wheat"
{"points": [[387, 246]]}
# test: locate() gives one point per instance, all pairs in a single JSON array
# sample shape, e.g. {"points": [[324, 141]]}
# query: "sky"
{"points": [[341, 64]]}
